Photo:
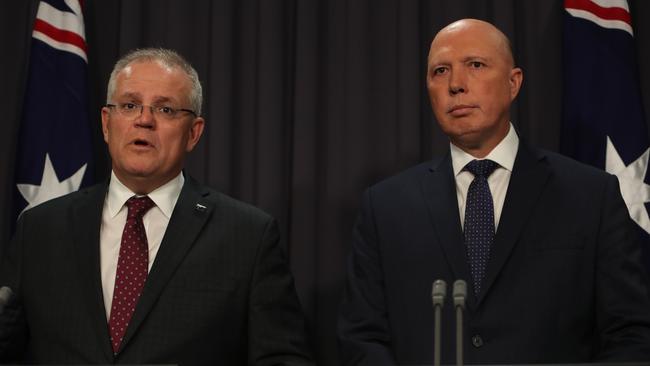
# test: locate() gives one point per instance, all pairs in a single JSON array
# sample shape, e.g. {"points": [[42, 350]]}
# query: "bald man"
{"points": [[545, 244]]}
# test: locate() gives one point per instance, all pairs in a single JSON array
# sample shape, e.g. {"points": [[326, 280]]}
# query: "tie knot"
{"points": [[138, 206], [481, 168]]}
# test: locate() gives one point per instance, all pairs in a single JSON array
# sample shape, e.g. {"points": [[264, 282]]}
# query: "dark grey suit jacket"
{"points": [[564, 282], [219, 292]]}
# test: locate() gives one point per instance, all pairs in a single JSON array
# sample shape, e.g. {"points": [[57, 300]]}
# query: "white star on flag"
{"points": [[50, 186], [634, 190]]}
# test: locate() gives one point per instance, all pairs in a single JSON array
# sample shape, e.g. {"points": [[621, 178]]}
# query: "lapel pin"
{"points": [[199, 207]]}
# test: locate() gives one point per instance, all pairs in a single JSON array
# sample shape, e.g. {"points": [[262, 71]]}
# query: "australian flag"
{"points": [[604, 123], [54, 144]]}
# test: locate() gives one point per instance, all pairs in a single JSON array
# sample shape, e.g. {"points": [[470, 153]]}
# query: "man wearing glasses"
{"points": [[150, 267]]}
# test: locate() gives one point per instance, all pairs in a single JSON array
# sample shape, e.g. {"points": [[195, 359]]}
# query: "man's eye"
{"points": [[439, 70], [476, 64], [129, 106], [166, 110]]}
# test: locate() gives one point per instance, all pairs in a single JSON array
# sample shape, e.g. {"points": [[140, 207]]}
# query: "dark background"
{"points": [[307, 102]]}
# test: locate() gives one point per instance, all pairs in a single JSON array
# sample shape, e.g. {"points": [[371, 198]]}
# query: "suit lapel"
{"points": [[529, 175], [190, 214], [439, 187], [87, 216]]}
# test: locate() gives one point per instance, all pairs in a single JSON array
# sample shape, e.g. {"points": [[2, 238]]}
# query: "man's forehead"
{"points": [[467, 41], [460, 51]]}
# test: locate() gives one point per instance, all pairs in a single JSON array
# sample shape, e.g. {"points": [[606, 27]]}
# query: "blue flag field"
{"points": [[604, 123], [54, 144]]}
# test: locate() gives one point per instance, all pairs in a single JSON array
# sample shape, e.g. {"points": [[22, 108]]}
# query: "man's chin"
{"points": [[137, 171], [470, 137]]}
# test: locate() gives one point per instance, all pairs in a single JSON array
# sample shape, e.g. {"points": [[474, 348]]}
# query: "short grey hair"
{"points": [[167, 57]]}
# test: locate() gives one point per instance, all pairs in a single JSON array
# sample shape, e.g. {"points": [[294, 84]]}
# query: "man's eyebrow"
{"points": [[475, 58], [131, 95], [137, 96], [162, 99]]}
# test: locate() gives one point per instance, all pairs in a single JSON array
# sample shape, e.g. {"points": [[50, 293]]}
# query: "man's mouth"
{"points": [[460, 110], [141, 143]]}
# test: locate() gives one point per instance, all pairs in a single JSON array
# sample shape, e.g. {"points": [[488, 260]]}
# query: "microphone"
{"points": [[7, 323], [459, 294], [5, 297], [438, 294]]}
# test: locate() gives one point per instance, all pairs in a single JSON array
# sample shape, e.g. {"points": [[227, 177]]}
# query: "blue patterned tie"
{"points": [[479, 220]]}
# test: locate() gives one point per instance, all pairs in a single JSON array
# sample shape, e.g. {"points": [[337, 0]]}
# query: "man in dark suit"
{"points": [[150, 267], [545, 244]]}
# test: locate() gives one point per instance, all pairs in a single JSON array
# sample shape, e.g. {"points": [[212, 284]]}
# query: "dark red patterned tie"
{"points": [[132, 268]]}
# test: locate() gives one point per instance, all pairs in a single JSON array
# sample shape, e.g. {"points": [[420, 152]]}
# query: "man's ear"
{"points": [[105, 115], [196, 130], [516, 78]]}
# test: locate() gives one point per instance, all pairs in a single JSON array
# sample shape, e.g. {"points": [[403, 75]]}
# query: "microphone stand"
{"points": [[459, 294], [438, 294]]}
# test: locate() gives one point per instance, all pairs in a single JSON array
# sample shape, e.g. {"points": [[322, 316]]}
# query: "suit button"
{"points": [[477, 341]]}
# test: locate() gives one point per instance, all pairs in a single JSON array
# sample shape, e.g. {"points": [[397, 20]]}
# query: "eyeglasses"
{"points": [[133, 110]]}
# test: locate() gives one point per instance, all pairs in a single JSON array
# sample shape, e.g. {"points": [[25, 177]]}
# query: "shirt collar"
{"points": [[164, 197], [503, 154]]}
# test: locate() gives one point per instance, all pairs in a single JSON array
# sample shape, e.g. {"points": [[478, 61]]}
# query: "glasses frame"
{"points": [[151, 109]]}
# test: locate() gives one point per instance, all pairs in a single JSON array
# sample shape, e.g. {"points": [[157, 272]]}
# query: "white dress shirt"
{"points": [[114, 218], [503, 154]]}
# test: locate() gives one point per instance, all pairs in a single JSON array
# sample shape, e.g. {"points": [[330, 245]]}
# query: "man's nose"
{"points": [[457, 83], [146, 118]]}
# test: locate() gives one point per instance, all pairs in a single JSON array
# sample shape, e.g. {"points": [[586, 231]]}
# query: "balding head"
{"points": [[481, 28]]}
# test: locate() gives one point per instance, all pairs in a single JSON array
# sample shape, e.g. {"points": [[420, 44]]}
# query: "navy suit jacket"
{"points": [[219, 290], [564, 281]]}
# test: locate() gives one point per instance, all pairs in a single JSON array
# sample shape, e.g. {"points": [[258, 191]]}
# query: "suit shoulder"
{"points": [[233, 207], [405, 178], [567, 166], [63, 203]]}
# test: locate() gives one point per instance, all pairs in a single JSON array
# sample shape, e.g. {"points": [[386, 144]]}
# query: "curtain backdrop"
{"points": [[307, 102]]}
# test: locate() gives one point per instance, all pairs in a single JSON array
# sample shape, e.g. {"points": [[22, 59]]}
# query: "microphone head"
{"points": [[5, 296], [460, 293], [439, 292]]}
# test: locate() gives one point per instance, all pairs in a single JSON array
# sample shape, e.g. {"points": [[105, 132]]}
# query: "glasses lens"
{"points": [[129, 109], [164, 112], [132, 110]]}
